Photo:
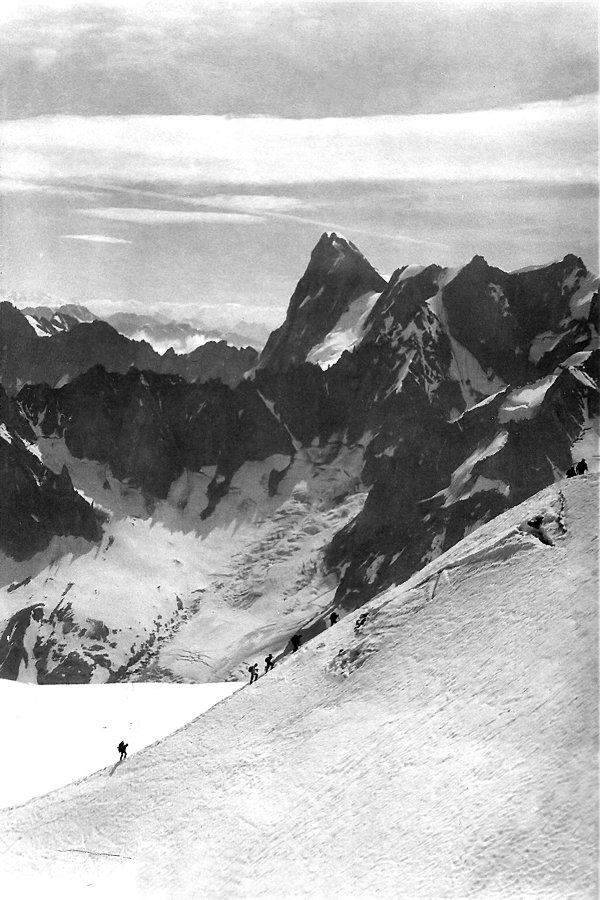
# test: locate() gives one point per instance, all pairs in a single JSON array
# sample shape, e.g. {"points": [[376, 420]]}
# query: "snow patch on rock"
{"points": [[463, 484], [37, 327], [582, 298], [346, 334], [525, 402]]}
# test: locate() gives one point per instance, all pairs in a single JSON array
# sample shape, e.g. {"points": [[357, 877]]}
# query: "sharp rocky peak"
{"points": [[336, 276], [331, 243]]}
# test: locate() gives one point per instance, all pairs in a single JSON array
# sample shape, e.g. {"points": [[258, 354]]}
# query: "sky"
{"points": [[186, 158]]}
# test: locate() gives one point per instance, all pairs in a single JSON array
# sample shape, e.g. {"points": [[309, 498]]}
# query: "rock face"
{"points": [[336, 277], [35, 503], [215, 359], [148, 428], [456, 394], [471, 387], [54, 351], [496, 454], [48, 655], [463, 386]]}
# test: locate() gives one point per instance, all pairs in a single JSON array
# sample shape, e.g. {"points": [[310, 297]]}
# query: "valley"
{"points": [[382, 424]]}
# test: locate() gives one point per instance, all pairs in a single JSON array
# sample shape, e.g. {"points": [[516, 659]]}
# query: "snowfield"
{"points": [[446, 748], [211, 595]]}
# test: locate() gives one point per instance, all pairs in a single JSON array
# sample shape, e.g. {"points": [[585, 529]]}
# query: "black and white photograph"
{"points": [[299, 449]]}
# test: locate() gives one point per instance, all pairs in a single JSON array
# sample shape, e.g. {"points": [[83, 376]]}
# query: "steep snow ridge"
{"points": [[525, 402], [588, 444], [582, 298], [347, 333], [447, 745], [404, 368], [485, 402], [409, 272], [463, 485], [545, 265], [543, 343], [448, 275]]}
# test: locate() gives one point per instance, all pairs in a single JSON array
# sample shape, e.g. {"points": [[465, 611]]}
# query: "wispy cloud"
{"points": [[19, 186], [144, 216], [252, 203], [95, 238], [270, 206], [541, 142]]}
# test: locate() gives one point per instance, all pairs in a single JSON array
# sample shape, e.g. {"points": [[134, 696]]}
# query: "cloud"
{"points": [[540, 142], [95, 238], [144, 216], [292, 59], [252, 203], [16, 186]]}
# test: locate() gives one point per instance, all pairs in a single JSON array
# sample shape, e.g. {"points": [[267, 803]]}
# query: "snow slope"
{"points": [[445, 749], [81, 726]]}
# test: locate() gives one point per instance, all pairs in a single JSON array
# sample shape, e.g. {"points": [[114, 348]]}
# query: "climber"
{"points": [[253, 669], [296, 640], [581, 467], [268, 663], [571, 472], [333, 618], [122, 748], [360, 622]]}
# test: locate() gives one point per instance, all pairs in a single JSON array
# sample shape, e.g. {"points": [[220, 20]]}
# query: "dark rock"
{"points": [[35, 503], [337, 274], [12, 649], [74, 346], [150, 427]]}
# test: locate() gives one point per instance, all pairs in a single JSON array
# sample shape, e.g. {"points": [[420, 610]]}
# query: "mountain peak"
{"points": [[337, 275], [478, 262], [335, 246]]}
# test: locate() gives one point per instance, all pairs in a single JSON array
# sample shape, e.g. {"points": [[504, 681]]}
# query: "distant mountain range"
{"points": [[38, 348], [50, 316], [382, 422]]}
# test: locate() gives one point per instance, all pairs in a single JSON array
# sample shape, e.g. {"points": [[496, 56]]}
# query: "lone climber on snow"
{"points": [[122, 748]]}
